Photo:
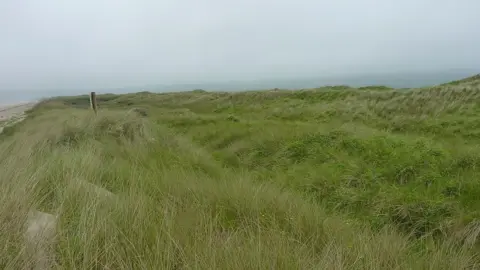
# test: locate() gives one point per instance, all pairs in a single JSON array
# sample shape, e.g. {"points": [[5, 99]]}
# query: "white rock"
{"points": [[99, 191], [39, 239]]}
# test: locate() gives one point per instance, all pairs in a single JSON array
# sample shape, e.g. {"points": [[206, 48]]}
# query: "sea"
{"points": [[395, 80]]}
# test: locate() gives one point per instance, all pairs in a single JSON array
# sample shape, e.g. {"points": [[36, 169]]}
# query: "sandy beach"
{"points": [[13, 110], [13, 113]]}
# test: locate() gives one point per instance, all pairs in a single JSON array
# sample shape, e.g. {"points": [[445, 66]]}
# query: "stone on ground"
{"points": [[40, 238]]}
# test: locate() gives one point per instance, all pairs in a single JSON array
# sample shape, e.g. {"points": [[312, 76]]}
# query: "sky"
{"points": [[89, 44]]}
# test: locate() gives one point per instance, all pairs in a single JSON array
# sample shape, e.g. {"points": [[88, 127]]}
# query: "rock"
{"points": [[40, 238], [99, 191]]}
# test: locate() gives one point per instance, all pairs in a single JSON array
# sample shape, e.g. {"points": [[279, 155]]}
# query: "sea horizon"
{"points": [[395, 80]]}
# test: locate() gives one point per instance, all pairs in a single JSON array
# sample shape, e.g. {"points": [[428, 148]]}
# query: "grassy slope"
{"points": [[328, 178]]}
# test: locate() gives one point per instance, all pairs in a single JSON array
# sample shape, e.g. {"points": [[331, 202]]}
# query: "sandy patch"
{"points": [[9, 111], [10, 114]]}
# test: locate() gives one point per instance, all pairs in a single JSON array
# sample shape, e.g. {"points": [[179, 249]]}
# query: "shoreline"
{"points": [[13, 110]]}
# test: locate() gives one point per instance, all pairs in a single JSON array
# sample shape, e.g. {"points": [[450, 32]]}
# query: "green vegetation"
{"points": [[327, 178]]}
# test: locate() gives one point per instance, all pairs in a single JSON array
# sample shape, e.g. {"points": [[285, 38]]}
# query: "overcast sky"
{"points": [[113, 43]]}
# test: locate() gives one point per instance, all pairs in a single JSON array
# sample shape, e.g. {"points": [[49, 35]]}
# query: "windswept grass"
{"points": [[330, 178]]}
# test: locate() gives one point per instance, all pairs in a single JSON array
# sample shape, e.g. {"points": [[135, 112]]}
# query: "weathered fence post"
{"points": [[93, 101]]}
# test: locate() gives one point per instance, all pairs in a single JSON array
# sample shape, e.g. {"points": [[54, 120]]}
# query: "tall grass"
{"points": [[225, 181]]}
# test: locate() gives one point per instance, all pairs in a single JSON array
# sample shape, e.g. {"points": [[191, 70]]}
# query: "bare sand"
{"points": [[14, 110], [13, 113]]}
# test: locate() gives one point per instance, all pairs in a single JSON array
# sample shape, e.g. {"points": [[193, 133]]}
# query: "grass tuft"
{"points": [[327, 178]]}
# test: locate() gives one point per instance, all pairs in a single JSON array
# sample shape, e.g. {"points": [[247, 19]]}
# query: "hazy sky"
{"points": [[112, 43]]}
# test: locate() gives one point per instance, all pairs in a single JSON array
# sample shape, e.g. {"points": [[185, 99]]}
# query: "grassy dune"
{"points": [[328, 178]]}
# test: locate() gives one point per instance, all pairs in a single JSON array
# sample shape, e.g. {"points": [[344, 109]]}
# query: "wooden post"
{"points": [[93, 102]]}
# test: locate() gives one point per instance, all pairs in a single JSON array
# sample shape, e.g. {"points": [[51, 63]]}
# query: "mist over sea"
{"points": [[14, 97], [397, 80]]}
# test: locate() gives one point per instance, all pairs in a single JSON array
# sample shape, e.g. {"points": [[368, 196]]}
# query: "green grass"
{"points": [[327, 178]]}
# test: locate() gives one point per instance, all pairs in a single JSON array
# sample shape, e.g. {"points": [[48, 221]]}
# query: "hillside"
{"points": [[326, 178]]}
